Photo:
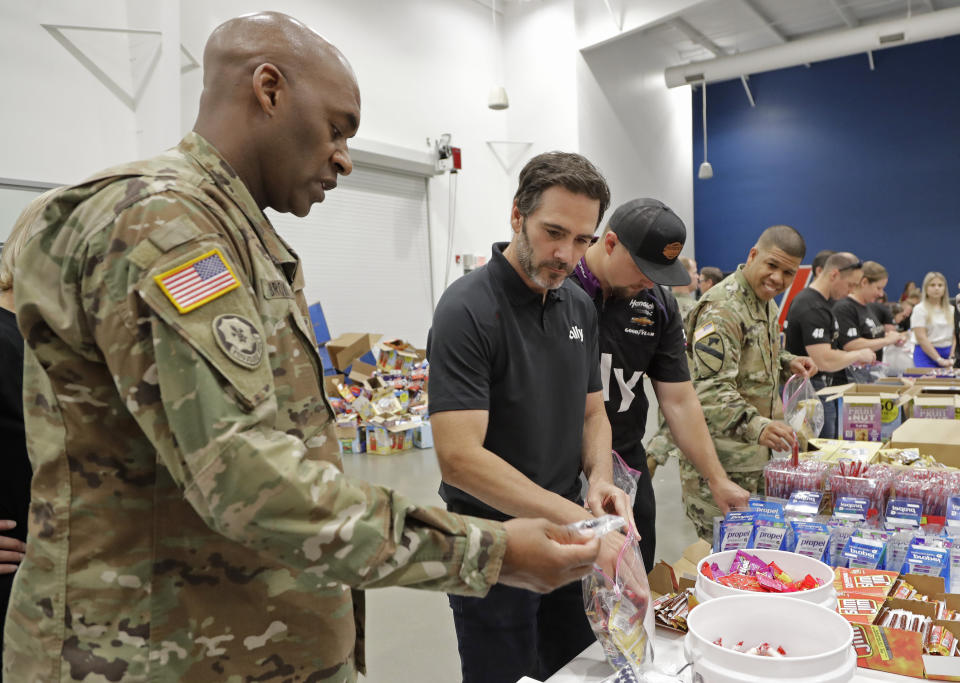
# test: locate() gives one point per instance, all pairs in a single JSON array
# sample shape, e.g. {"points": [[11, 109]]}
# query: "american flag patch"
{"points": [[198, 281]]}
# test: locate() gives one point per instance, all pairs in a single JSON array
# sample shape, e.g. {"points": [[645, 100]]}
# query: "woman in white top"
{"points": [[932, 325]]}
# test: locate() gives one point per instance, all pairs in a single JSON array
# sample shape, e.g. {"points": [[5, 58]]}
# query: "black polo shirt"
{"points": [[638, 336], [856, 320], [810, 321], [497, 345]]}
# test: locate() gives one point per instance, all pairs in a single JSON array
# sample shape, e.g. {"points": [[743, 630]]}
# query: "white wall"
{"points": [[425, 68]]}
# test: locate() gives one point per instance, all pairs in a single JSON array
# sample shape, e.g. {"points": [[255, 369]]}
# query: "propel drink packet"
{"points": [[803, 504], [928, 561], [953, 511], [736, 530], [769, 533], [840, 532], [810, 538], [903, 513], [851, 507], [863, 553], [767, 508]]}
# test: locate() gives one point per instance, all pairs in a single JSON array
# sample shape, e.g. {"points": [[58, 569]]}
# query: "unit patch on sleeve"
{"points": [[238, 338], [708, 348], [198, 281]]}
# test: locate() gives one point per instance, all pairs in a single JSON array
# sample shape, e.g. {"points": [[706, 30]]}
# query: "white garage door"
{"points": [[365, 253]]}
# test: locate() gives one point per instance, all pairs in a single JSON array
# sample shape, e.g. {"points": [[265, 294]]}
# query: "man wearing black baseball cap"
{"points": [[624, 271]]}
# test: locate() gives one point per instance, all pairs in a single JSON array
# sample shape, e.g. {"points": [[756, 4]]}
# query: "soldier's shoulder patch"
{"points": [[703, 331], [198, 281], [239, 339], [708, 349]]}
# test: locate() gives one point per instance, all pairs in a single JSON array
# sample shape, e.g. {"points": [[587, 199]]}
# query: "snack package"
{"points": [[802, 409], [734, 531], [927, 560], [903, 513], [809, 538], [782, 478], [863, 553], [840, 532], [769, 533]]}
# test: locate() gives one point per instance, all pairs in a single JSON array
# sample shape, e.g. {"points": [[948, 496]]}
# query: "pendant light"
{"points": [[497, 98], [706, 170]]}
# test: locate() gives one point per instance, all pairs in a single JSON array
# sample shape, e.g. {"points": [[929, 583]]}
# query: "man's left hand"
{"points": [[728, 495], [803, 365], [607, 498]]}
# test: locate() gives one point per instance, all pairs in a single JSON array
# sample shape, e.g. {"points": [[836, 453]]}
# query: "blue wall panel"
{"points": [[858, 160]]}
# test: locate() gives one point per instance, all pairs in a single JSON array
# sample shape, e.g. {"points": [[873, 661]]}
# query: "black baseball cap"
{"points": [[654, 236]]}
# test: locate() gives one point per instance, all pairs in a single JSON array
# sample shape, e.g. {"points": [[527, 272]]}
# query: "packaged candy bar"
{"points": [[760, 650], [941, 641]]}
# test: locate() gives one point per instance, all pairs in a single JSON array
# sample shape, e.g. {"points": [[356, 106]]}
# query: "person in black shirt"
{"points": [[641, 333], [860, 328], [811, 328], [517, 412]]}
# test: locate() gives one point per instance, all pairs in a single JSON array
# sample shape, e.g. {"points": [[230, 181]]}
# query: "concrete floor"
{"points": [[410, 636]]}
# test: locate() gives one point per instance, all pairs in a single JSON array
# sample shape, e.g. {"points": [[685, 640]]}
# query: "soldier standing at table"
{"points": [[738, 366]]}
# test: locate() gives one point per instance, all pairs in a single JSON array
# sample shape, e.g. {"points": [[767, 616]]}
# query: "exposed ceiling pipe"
{"points": [[893, 33]]}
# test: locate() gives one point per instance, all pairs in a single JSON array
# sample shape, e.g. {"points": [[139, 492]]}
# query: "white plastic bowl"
{"points": [[797, 566], [818, 641]]}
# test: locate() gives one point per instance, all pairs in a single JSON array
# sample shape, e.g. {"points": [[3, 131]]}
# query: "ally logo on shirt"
{"points": [[576, 333]]}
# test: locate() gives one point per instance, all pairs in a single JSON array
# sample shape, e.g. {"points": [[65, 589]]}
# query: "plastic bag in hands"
{"points": [[617, 608], [802, 409], [625, 477]]}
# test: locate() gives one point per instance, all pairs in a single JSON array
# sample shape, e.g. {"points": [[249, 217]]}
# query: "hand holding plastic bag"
{"points": [[802, 409], [617, 606]]}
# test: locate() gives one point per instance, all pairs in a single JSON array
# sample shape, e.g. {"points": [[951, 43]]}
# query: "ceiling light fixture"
{"points": [[497, 98], [706, 170]]}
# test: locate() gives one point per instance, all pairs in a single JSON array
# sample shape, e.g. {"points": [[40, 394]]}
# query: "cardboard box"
{"points": [[362, 373], [898, 651], [423, 435], [939, 438], [870, 412], [348, 347], [935, 407], [385, 437], [350, 435], [330, 383]]}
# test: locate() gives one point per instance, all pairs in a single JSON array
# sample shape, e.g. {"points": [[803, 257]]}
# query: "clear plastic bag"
{"points": [[617, 608], [625, 477], [802, 408]]}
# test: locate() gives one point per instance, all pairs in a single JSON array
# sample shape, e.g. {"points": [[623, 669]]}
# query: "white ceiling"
{"points": [[721, 27]]}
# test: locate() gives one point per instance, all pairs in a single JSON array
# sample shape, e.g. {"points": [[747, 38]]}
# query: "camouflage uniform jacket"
{"points": [[190, 520], [737, 365], [685, 302]]}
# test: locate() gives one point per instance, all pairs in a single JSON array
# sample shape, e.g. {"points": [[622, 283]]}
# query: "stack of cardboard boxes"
{"points": [[379, 394]]}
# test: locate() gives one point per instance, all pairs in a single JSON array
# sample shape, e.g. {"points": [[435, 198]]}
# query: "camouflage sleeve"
{"points": [[716, 344], [211, 421], [785, 359]]}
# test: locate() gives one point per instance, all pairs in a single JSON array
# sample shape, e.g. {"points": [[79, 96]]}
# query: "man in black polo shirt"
{"points": [[517, 412], [811, 328], [641, 332]]}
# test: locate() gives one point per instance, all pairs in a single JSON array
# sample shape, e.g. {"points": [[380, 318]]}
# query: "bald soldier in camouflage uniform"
{"points": [[737, 365], [190, 520]]}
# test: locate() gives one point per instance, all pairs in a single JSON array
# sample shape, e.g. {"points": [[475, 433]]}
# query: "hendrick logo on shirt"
{"points": [[576, 333], [645, 305]]}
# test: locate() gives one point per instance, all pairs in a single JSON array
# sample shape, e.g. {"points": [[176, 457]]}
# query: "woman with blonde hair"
{"points": [[860, 328], [932, 324]]}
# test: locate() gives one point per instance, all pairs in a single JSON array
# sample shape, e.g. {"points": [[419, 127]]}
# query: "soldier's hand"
{"points": [[542, 556], [803, 365], [865, 356], [11, 549], [728, 495], [777, 436]]}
